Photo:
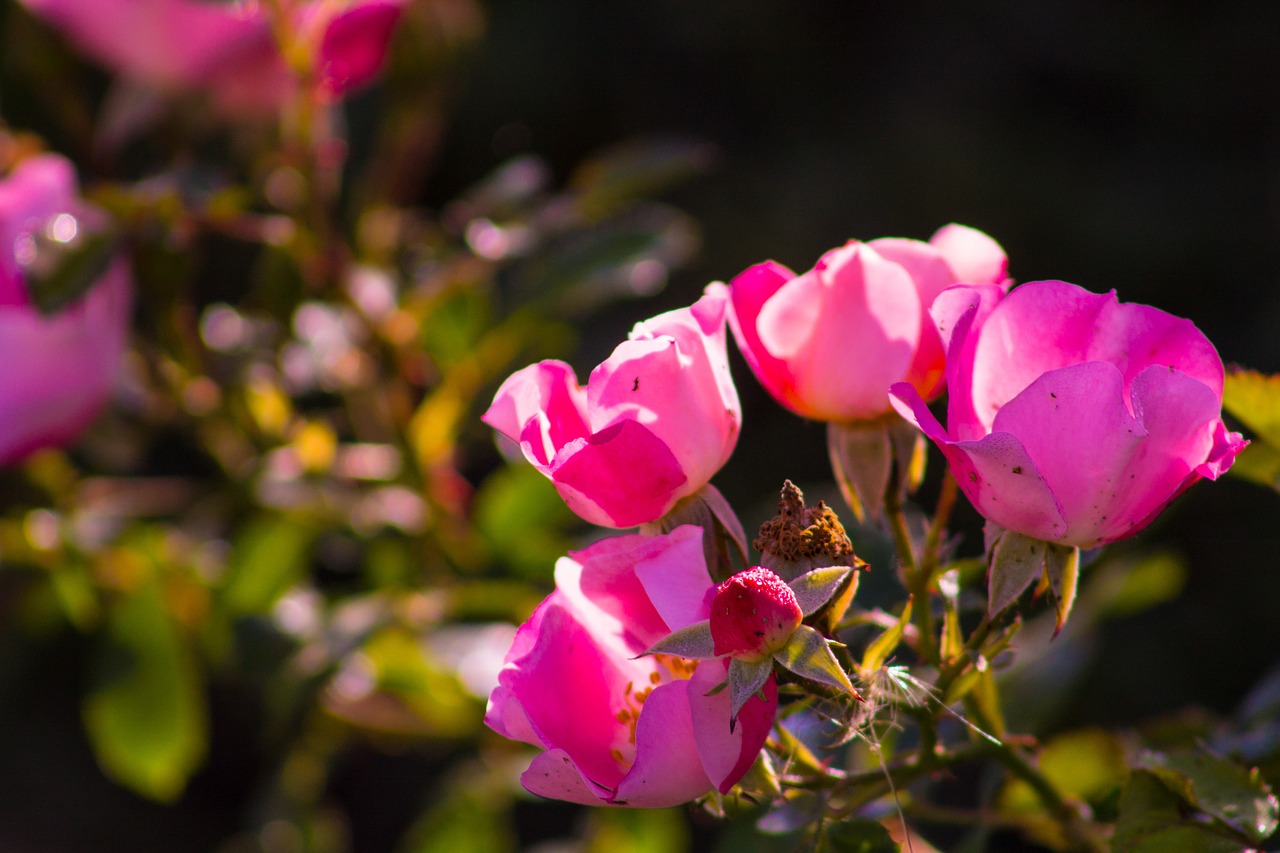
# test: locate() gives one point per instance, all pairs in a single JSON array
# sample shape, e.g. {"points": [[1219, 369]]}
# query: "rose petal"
{"points": [[676, 580], [355, 45], [554, 775], [869, 330], [546, 394], [622, 476], [728, 755], [666, 771], [973, 256]]}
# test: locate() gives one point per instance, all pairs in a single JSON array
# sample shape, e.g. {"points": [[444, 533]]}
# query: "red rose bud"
{"points": [[753, 615]]}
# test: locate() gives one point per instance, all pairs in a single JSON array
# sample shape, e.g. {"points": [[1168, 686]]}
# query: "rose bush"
{"points": [[827, 344], [61, 367], [656, 421], [620, 729], [228, 49], [1072, 417]]}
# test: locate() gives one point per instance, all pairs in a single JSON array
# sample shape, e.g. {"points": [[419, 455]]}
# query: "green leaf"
{"points": [[145, 714], [523, 520], [1151, 821], [1239, 798], [880, 649], [1254, 398], [268, 558], [1259, 463], [746, 678], [65, 272], [635, 170], [814, 589], [1017, 561], [692, 641], [808, 655], [636, 831], [1087, 764], [857, 836], [862, 461], [1062, 567]]}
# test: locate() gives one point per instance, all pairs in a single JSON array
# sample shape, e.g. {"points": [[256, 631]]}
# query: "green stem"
{"points": [[917, 578]]}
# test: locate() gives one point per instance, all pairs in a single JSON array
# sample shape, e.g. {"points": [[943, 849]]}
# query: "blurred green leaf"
{"points": [[1254, 398], [470, 818], [268, 557], [1239, 798], [636, 831], [629, 255], [1086, 764], [857, 836], [523, 520], [63, 272], [145, 715], [1259, 463], [1131, 588], [450, 330], [637, 169], [1151, 821]]}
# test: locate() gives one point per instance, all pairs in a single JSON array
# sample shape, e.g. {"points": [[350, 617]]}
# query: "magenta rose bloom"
{"points": [[656, 421], [827, 344], [1072, 417], [60, 368], [619, 729], [227, 49]]}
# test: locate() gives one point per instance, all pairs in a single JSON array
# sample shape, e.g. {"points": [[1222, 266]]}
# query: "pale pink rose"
{"points": [[59, 369], [1072, 417], [656, 421], [620, 729], [228, 49], [827, 344]]}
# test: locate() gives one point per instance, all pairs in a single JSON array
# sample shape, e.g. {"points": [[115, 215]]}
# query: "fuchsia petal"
{"points": [[576, 665], [923, 263], [1073, 421], [620, 477], [972, 255], [995, 473], [748, 293], [676, 579], [550, 389], [355, 45], [61, 369], [870, 321], [605, 579], [553, 774], [727, 756], [666, 771]]}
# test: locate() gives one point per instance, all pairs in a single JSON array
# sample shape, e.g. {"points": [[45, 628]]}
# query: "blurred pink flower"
{"points": [[228, 49], [620, 729], [656, 421], [827, 344], [59, 369], [1072, 417]]}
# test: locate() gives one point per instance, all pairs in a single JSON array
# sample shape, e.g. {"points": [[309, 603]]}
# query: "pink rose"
{"points": [[620, 729], [227, 49], [1073, 418], [828, 344], [60, 369], [656, 421]]}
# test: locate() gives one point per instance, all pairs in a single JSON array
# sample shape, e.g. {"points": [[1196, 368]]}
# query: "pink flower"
{"points": [[828, 344], [656, 421], [620, 729], [1072, 417], [228, 49], [60, 369]]}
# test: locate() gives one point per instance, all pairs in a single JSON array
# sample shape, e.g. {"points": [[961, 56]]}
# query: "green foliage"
{"points": [[145, 713]]}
